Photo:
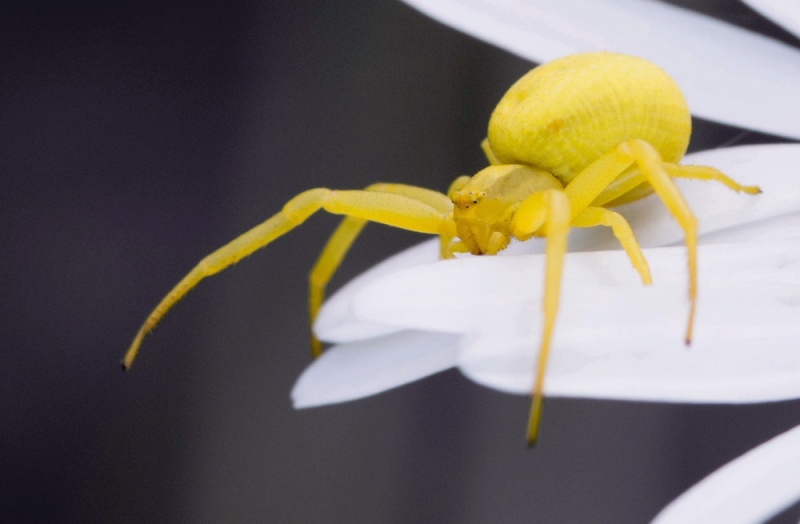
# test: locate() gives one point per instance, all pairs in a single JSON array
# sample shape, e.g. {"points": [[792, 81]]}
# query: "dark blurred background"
{"points": [[134, 140]]}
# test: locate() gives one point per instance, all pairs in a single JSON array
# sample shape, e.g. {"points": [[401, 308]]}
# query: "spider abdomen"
{"points": [[565, 114]]}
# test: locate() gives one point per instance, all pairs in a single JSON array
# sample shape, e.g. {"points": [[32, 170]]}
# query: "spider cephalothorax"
{"points": [[484, 204]]}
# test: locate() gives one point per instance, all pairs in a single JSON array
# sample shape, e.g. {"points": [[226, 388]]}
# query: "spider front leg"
{"points": [[447, 246], [391, 209], [549, 212], [594, 179], [346, 234]]}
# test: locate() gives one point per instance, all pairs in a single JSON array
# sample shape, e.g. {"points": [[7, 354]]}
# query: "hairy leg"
{"points": [[594, 179], [343, 238], [627, 183], [390, 209]]}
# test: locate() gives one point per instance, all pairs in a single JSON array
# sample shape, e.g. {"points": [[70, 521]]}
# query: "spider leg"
{"points": [[600, 216], [343, 238], [547, 211], [326, 265], [446, 245], [594, 179], [391, 209], [487, 150], [709, 174], [631, 180]]}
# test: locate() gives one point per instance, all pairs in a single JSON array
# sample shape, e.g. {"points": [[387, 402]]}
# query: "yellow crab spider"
{"points": [[567, 141]]}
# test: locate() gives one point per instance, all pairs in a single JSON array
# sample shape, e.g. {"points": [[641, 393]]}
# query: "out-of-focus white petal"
{"points": [[786, 14], [361, 369], [752, 488], [728, 74], [614, 339]]}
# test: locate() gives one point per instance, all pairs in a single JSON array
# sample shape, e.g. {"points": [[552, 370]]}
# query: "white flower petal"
{"points": [[752, 488], [785, 228], [723, 216], [786, 14], [705, 56], [335, 322], [614, 339], [490, 305], [361, 369]]}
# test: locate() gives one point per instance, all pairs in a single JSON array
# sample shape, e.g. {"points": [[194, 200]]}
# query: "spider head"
{"points": [[477, 215], [485, 204]]}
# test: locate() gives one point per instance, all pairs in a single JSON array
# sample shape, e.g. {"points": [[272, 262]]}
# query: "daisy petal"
{"points": [[335, 322], [754, 359], [723, 215], [704, 55], [786, 14], [752, 488], [361, 369]]}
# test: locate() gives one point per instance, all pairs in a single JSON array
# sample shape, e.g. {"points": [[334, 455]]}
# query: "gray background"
{"points": [[136, 139]]}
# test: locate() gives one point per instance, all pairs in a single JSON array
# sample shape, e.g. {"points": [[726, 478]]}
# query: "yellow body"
{"points": [[568, 140], [564, 115]]}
